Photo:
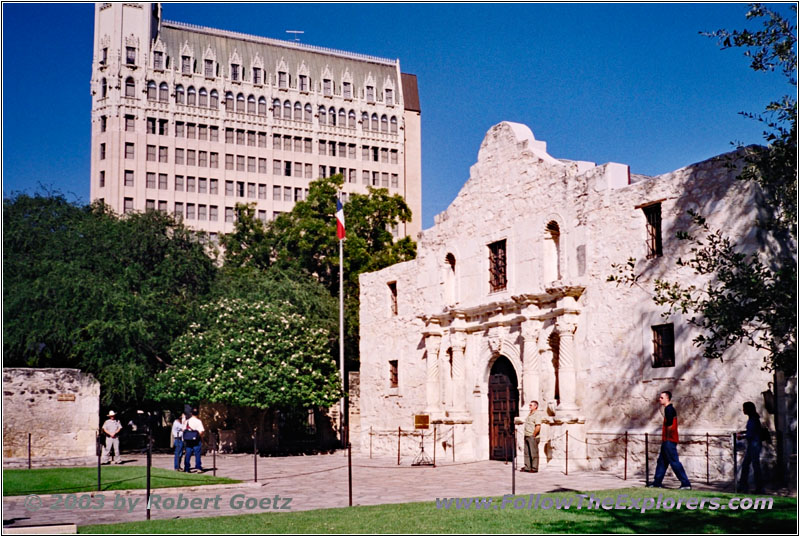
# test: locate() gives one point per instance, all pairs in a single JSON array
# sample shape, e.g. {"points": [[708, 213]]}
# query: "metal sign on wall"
{"points": [[421, 421]]}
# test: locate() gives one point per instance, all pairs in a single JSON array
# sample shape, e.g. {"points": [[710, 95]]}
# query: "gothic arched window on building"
{"points": [[323, 116], [202, 97], [213, 101], [262, 106], [384, 123], [449, 278], [308, 113], [342, 118], [179, 94], [163, 92], [364, 121], [240, 102], [130, 87], [251, 104], [191, 96], [332, 116], [298, 111], [276, 109], [230, 101], [552, 252], [351, 119], [374, 125], [393, 125], [103, 88], [152, 91], [287, 110]]}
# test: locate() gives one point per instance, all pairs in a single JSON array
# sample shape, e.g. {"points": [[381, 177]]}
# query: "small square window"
{"points": [[393, 374], [497, 266]]}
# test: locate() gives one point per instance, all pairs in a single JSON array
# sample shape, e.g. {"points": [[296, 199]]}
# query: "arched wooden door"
{"points": [[503, 408]]}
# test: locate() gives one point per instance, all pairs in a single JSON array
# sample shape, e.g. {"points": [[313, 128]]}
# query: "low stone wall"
{"points": [[58, 408]]}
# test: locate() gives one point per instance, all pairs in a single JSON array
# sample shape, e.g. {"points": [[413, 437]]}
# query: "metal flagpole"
{"points": [[341, 341]]}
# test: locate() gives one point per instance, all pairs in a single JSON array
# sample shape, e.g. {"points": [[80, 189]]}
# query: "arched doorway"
{"points": [[503, 408]]}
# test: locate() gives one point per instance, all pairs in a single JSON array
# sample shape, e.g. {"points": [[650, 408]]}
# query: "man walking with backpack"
{"points": [[192, 435], [669, 445]]}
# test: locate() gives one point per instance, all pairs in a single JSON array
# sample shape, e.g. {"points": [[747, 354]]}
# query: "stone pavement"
{"points": [[315, 482]]}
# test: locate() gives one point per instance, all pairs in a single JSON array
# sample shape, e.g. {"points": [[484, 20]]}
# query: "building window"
{"points": [[102, 178], [393, 156], [103, 123], [663, 345], [128, 206], [178, 211], [287, 193], [130, 87], [256, 76], [102, 151], [283, 80], [374, 122], [384, 123], [150, 124], [240, 102], [152, 91], [262, 106], [191, 157], [395, 181], [351, 119], [202, 158], [327, 87], [262, 191], [239, 163], [287, 168], [229, 188], [190, 184], [208, 67], [371, 95], [178, 183], [150, 180], [229, 101], [389, 97], [202, 97], [303, 83], [162, 181], [552, 252], [179, 152], [128, 178], [393, 125], [393, 373], [393, 296], [190, 211], [151, 153], [229, 214], [179, 94], [201, 212], [186, 65], [251, 104], [213, 186], [653, 215], [497, 266], [251, 190], [213, 101], [213, 213], [202, 185], [276, 193], [251, 164], [162, 207], [191, 96], [163, 127], [347, 90], [104, 56], [162, 154], [130, 55], [103, 89], [129, 150]]}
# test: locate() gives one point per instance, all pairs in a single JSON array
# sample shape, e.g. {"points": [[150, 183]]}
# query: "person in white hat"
{"points": [[112, 428]]}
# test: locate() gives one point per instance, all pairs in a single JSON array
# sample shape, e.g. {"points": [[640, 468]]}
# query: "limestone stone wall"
{"points": [[450, 328], [59, 408]]}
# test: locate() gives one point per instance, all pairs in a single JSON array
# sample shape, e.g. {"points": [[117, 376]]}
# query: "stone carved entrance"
{"points": [[503, 408]]}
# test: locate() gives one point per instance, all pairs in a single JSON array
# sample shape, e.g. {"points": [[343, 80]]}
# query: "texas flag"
{"points": [[339, 219]]}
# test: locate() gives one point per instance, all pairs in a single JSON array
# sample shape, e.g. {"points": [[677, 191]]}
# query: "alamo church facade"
{"points": [[508, 302]]}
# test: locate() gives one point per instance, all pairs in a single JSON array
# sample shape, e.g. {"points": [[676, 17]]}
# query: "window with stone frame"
{"points": [[209, 68], [663, 345], [393, 296], [498, 265], [130, 55], [652, 214], [393, 374], [186, 65]]}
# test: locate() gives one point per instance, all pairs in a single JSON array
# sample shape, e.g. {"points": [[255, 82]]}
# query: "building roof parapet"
{"points": [[279, 43]]}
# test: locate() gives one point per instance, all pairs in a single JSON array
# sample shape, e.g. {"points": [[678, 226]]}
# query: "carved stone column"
{"points": [[567, 370], [432, 343], [530, 362], [458, 340]]}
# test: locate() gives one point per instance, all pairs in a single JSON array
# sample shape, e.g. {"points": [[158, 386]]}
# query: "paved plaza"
{"points": [[320, 481]]}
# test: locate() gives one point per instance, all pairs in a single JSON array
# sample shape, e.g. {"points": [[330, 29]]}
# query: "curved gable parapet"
{"points": [[517, 137]]}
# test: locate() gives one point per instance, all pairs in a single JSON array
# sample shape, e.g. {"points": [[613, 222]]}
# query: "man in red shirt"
{"points": [[669, 445]]}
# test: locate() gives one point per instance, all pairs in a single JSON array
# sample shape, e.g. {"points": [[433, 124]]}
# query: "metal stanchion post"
{"points": [[646, 460], [434, 445], [149, 464], [735, 462], [29, 451], [566, 455], [214, 454], [255, 455], [349, 474], [398, 446], [625, 477], [708, 474], [99, 453]]}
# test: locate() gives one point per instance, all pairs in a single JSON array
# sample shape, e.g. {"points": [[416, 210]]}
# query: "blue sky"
{"points": [[630, 83]]}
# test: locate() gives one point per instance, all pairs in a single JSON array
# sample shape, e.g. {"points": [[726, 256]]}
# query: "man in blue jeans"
{"points": [[177, 438], [192, 434], [669, 445]]}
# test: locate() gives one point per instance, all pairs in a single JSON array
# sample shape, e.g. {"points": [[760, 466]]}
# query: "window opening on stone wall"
{"points": [[653, 215], [449, 278], [663, 345], [393, 295], [130, 55], [552, 252], [553, 342], [393, 373], [497, 266]]}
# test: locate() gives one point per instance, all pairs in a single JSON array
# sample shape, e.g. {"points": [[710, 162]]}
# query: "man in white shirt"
{"points": [[177, 437], [192, 441], [112, 428]]}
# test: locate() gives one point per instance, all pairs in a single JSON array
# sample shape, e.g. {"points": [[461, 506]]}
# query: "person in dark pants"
{"points": [[669, 446], [192, 435], [177, 436], [752, 456], [533, 425]]}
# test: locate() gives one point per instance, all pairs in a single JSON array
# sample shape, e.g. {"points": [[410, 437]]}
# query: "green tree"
{"points": [[751, 297], [251, 353], [85, 288], [304, 240]]}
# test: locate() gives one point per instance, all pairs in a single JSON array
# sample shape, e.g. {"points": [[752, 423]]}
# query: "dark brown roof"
{"points": [[410, 92]]}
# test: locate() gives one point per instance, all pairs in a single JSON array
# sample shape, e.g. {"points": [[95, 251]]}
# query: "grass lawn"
{"points": [[57, 480], [426, 518]]}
